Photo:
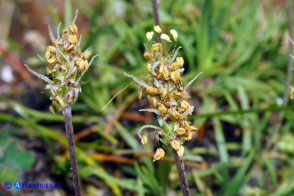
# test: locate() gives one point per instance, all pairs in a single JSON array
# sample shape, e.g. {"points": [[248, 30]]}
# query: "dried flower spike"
{"points": [[66, 66], [166, 93]]}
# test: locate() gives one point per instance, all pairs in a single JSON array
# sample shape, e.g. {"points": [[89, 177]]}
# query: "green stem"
{"points": [[72, 150]]}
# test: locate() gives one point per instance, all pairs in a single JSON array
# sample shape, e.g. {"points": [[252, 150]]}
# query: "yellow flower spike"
{"points": [[165, 37], [174, 34], [144, 140], [180, 61], [159, 154], [175, 144], [181, 131], [149, 35], [73, 29], [157, 29], [181, 151]]}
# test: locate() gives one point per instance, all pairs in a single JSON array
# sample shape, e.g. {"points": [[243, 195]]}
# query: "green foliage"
{"points": [[13, 160], [240, 48]]}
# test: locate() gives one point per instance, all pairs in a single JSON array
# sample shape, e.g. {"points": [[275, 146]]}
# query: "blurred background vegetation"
{"points": [[245, 142]]}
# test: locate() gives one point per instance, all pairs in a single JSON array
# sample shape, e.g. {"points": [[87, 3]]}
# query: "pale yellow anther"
{"points": [[60, 101], [72, 39], [181, 151], [175, 144], [144, 140], [86, 54], [162, 109], [165, 37], [185, 105], [180, 131], [51, 48], [174, 66], [157, 29], [73, 29], [147, 55], [159, 154], [174, 34], [150, 90], [175, 76], [149, 35], [180, 61]]}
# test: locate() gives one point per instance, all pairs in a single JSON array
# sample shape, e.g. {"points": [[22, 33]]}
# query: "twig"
{"points": [[71, 147], [182, 174]]}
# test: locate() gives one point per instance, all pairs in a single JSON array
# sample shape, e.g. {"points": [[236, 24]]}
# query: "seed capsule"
{"points": [[159, 154]]}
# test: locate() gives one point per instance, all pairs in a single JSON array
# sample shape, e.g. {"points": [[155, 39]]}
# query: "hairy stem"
{"points": [[71, 147], [182, 174]]}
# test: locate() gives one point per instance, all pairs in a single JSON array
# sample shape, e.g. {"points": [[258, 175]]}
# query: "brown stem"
{"points": [[71, 147], [156, 17], [182, 174]]}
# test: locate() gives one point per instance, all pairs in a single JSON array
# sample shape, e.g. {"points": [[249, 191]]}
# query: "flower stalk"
{"points": [[66, 65], [167, 96]]}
